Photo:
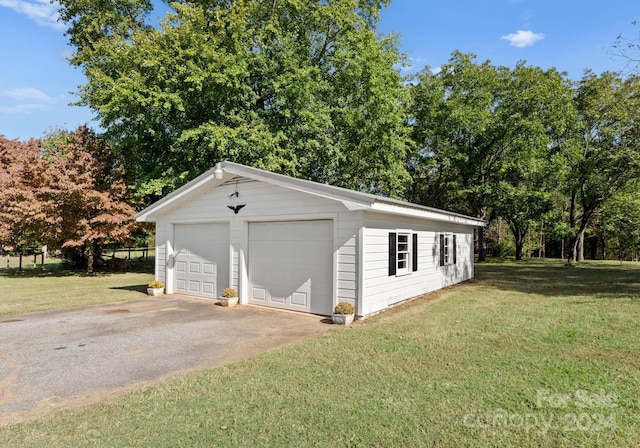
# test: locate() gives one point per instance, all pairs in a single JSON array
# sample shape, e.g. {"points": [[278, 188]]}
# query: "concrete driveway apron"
{"points": [[62, 359]]}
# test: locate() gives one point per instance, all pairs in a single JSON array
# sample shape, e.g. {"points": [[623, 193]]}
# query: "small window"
{"points": [[448, 249], [403, 253]]}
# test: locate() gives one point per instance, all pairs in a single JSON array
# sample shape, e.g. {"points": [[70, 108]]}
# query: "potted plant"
{"points": [[343, 313], [229, 297], [155, 288]]}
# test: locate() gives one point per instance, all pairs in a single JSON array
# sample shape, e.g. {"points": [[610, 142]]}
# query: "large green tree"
{"points": [[302, 87], [619, 228], [479, 128], [603, 156]]}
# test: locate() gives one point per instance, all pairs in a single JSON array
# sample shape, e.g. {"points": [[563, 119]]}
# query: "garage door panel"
{"points": [[291, 265], [299, 299], [259, 294], [202, 258], [208, 287]]}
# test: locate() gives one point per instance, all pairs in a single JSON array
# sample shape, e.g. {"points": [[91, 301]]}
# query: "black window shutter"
{"points": [[392, 253], [414, 253], [441, 250], [454, 250]]}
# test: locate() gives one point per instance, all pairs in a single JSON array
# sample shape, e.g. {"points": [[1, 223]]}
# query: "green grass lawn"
{"points": [[33, 289], [527, 355]]}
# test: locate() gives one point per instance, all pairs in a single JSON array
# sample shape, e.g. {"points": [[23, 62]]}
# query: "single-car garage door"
{"points": [[291, 265], [201, 259]]}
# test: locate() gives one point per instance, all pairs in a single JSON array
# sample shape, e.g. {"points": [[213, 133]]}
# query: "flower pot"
{"points": [[228, 301], [155, 291], [342, 319]]}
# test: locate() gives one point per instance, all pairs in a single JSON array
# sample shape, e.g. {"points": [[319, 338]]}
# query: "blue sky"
{"points": [[36, 81]]}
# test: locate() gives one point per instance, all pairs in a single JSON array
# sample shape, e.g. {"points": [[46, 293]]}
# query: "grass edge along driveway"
{"points": [[528, 354]]}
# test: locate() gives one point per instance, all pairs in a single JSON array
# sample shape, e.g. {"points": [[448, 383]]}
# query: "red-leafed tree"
{"points": [[66, 192], [24, 212]]}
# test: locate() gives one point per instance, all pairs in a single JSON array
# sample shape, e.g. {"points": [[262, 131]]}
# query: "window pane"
{"points": [[403, 253], [446, 250]]}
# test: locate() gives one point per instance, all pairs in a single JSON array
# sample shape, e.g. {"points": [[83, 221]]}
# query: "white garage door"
{"points": [[291, 265], [201, 259]]}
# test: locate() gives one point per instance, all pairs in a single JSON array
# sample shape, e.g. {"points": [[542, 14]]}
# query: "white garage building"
{"points": [[299, 245]]}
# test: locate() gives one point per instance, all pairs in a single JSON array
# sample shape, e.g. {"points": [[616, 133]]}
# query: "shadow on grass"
{"points": [[609, 280], [136, 288], [38, 273], [61, 271]]}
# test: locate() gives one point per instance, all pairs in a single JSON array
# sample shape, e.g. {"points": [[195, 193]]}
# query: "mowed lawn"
{"points": [[54, 288], [529, 354]]}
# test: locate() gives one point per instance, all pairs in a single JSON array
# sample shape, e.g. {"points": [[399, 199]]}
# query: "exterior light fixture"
{"points": [[218, 173]]}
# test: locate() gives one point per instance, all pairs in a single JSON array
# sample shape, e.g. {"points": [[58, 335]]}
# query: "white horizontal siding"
{"points": [[266, 202], [381, 290], [260, 199], [234, 266], [161, 252], [347, 259]]}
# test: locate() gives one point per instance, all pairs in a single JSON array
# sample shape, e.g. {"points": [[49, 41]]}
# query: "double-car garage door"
{"points": [[289, 263]]}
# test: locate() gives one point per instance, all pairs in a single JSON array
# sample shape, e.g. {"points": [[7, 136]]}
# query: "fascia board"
{"points": [[432, 215]]}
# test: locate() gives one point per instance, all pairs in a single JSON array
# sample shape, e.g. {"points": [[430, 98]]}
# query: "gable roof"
{"points": [[352, 200]]}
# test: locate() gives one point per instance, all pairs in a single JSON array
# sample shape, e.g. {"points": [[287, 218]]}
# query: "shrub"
{"points": [[344, 308], [504, 249], [155, 284], [229, 293]]}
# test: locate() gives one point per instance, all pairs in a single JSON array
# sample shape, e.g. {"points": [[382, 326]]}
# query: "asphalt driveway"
{"points": [[62, 359]]}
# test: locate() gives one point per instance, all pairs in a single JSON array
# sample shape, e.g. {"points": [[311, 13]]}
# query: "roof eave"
{"points": [[351, 200], [427, 213]]}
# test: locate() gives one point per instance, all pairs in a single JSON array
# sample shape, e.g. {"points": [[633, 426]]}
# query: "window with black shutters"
{"points": [[403, 253]]}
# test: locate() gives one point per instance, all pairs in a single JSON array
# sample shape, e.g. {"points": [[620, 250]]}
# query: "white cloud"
{"points": [[521, 38], [27, 94], [43, 12], [26, 100], [24, 109]]}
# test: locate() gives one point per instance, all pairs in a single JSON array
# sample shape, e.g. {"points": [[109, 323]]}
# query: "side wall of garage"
{"points": [[384, 285]]}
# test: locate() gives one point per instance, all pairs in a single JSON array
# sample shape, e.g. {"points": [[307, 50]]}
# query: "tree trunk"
{"points": [[90, 260], [482, 250], [581, 247], [576, 247], [519, 246], [541, 250]]}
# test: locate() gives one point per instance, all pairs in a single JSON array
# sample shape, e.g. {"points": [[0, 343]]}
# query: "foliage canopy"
{"points": [[304, 88]]}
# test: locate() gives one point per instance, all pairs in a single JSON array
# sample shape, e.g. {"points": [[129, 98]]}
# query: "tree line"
{"points": [[311, 89]]}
